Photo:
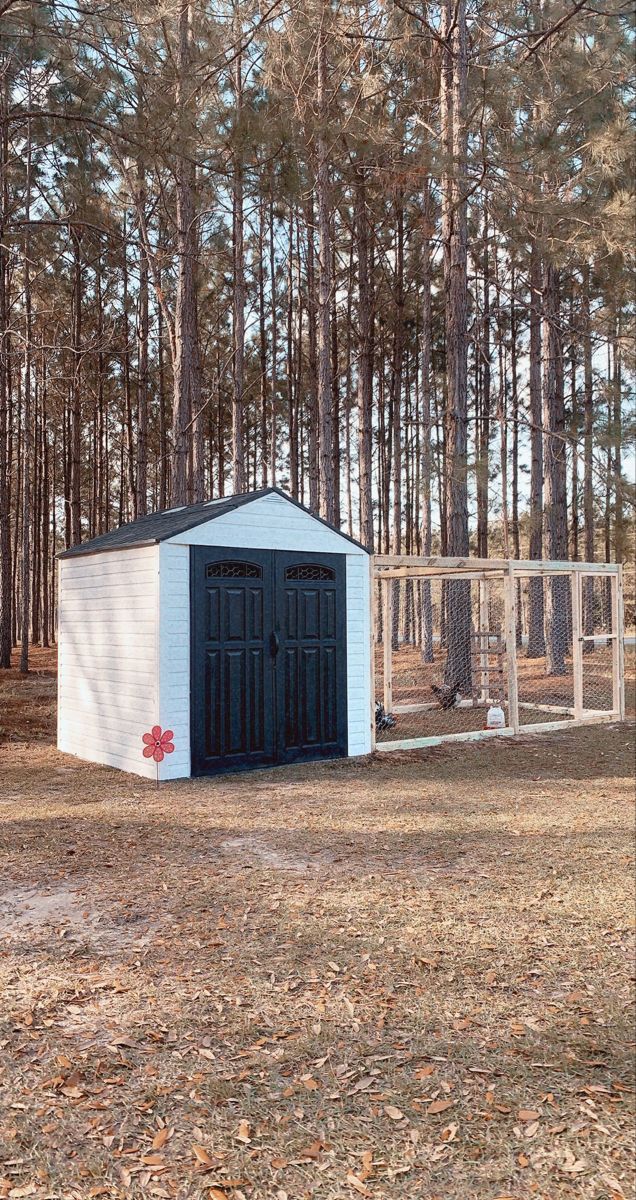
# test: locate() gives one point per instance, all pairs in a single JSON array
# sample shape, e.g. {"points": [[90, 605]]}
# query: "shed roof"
{"points": [[158, 526]]}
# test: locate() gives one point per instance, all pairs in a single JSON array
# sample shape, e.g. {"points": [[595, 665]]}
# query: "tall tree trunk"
{"points": [[617, 439], [273, 432], [128, 402], [5, 516], [238, 263], [27, 455], [365, 364], [588, 448], [262, 347], [141, 482], [292, 415], [325, 378], [426, 345], [396, 405], [76, 395], [483, 429], [574, 405], [556, 535], [536, 636], [164, 462], [186, 365], [312, 391], [454, 235]]}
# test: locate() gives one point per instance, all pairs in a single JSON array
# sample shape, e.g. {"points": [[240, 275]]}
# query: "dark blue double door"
{"points": [[268, 658]]}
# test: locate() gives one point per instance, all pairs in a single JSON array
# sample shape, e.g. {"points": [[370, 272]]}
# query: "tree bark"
{"points": [[426, 346], [588, 447], [536, 637], [454, 235], [365, 364], [5, 515], [327, 497], [555, 508], [186, 366]]}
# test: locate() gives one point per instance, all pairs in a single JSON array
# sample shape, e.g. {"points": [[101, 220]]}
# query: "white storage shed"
{"points": [[242, 625]]}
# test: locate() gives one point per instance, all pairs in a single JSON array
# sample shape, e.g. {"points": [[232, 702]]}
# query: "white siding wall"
{"points": [[107, 674], [270, 523], [174, 656], [358, 654]]}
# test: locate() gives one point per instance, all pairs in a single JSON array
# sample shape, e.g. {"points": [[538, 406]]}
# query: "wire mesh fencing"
{"points": [[455, 655], [545, 669], [445, 663]]}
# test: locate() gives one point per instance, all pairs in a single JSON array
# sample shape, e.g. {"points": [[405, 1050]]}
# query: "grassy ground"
{"points": [[406, 977]]}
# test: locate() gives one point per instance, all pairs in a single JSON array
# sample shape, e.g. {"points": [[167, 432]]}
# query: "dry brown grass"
{"points": [[405, 977]]}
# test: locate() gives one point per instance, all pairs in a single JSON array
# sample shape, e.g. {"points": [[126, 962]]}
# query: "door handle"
{"points": [[274, 643]]}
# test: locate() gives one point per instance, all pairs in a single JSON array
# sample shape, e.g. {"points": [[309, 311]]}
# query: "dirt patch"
{"points": [[410, 975]]}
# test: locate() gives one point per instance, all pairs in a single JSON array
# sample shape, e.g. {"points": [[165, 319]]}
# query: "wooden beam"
{"points": [[414, 708], [475, 735], [577, 649], [373, 602], [510, 610], [483, 629], [549, 708], [387, 638], [480, 734], [434, 573], [436, 563], [519, 566], [618, 646]]}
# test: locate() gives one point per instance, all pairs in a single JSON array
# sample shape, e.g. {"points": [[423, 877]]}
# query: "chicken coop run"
{"points": [[455, 639]]}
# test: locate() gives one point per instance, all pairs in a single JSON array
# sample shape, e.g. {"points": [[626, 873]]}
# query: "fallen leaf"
{"points": [[312, 1151], [394, 1113], [161, 1138], [357, 1184], [439, 1106], [523, 1160], [202, 1155], [528, 1114], [243, 1134], [367, 1165]]}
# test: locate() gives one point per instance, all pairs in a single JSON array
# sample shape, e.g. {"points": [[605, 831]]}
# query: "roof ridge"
{"points": [[165, 523]]}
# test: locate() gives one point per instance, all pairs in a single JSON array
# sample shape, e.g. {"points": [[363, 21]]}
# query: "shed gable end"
{"points": [[270, 522]]}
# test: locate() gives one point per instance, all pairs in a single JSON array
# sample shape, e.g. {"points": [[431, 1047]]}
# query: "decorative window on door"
{"points": [[309, 573], [230, 569]]}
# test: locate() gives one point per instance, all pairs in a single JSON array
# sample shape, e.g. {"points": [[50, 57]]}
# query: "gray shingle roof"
{"points": [[158, 526]]}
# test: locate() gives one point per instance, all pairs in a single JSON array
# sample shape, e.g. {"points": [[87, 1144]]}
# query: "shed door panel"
{"points": [[311, 625], [268, 658], [232, 680]]}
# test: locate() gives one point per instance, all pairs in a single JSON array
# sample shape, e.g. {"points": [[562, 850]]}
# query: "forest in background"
{"points": [[377, 254]]}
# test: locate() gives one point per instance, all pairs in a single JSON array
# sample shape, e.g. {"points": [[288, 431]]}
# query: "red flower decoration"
{"points": [[158, 744]]}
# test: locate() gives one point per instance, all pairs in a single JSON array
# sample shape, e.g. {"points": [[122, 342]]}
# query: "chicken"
{"points": [[383, 720], [446, 694]]}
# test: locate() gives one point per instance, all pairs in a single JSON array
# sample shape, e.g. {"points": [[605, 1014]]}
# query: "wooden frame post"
{"points": [[484, 680], [387, 640], [373, 601], [618, 645], [510, 610], [577, 645]]}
